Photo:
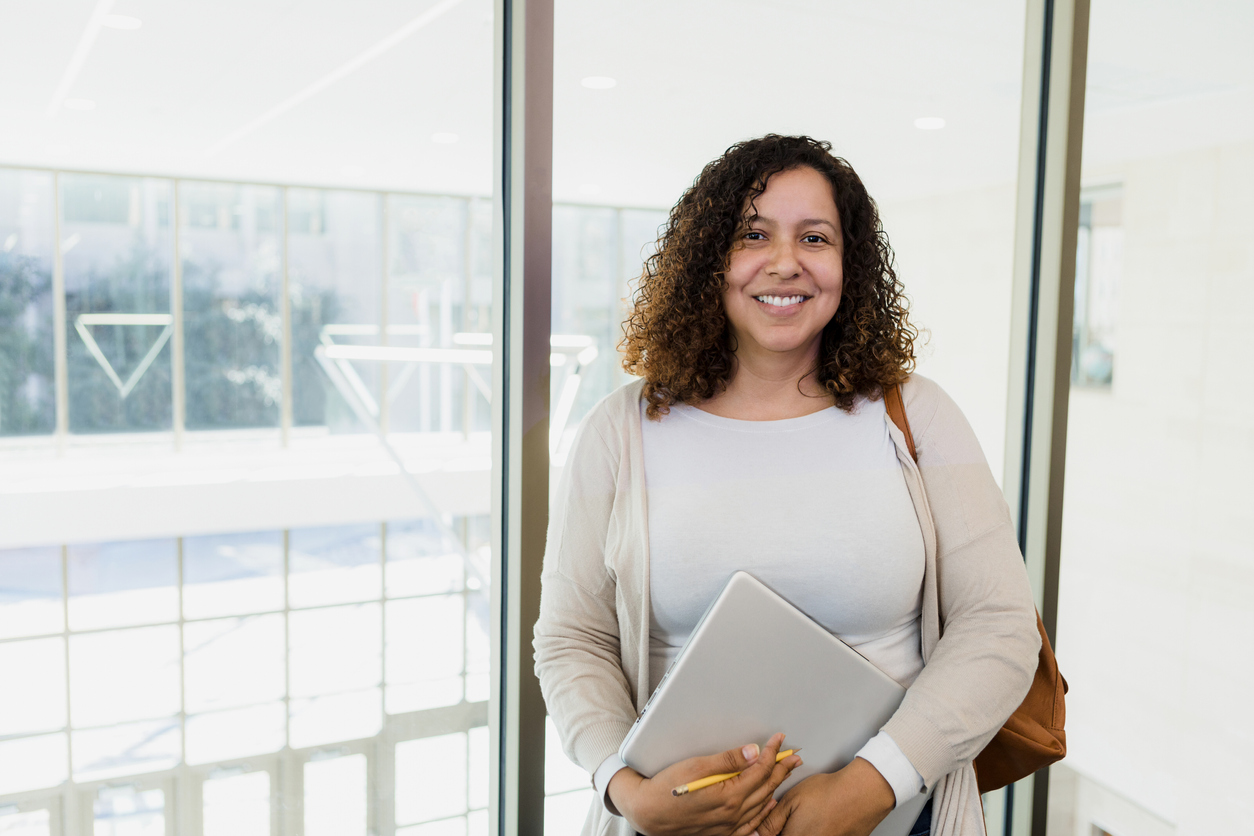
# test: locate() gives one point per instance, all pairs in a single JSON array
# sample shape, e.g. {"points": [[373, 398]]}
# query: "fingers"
{"points": [[750, 826], [774, 821], [777, 776]]}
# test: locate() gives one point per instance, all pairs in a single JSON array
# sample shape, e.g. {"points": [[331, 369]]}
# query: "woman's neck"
{"points": [[771, 388]]}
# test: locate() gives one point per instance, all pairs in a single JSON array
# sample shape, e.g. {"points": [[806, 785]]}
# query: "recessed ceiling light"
{"points": [[121, 22], [598, 82], [444, 138], [929, 123], [79, 104]]}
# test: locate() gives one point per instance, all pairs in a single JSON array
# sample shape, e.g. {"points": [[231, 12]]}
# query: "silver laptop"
{"points": [[756, 665]]}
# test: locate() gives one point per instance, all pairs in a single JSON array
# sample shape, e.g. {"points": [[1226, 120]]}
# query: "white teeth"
{"points": [[781, 301]]}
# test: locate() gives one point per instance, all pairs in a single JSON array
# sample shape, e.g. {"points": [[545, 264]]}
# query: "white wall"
{"points": [[955, 255], [1156, 612]]}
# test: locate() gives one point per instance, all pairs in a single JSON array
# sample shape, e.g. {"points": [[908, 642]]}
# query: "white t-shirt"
{"points": [[816, 508]]}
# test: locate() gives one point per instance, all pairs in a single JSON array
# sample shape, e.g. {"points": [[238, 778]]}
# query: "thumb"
{"points": [[734, 760]]}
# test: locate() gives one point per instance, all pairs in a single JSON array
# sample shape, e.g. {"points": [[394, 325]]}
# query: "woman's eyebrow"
{"points": [[762, 219]]}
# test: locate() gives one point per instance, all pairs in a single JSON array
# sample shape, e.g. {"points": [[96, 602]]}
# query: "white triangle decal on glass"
{"points": [[83, 320]]}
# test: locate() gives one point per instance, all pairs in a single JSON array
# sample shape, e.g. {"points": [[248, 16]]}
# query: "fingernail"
{"points": [[750, 752], [771, 806]]}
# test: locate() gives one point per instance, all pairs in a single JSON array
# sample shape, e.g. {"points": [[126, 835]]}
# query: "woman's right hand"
{"points": [[734, 807]]}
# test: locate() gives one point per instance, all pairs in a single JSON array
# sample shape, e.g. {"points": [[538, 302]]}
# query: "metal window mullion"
{"points": [[285, 349], [523, 217], [1051, 136], [385, 217], [177, 361], [69, 799], [59, 347]]}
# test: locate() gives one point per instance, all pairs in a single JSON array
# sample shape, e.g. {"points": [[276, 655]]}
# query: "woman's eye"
{"points": [[814, 239], [754, 236]]}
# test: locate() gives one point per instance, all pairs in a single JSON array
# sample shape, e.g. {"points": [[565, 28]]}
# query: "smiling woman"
{"points": [[768, 330], [777, 216]]}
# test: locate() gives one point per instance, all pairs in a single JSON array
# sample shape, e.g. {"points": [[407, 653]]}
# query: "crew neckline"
{"points": [[802, 422]]}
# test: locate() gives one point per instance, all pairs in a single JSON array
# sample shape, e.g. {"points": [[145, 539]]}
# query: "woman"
{"points": [[765, 330]]}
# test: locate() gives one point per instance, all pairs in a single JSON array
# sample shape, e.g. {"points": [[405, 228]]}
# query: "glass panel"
{"points": [[124, 675], [420, 560], [335, 797], [334, 565], [565, 812], [233, 321], [335, 718], [478, 645], [117, 246], [30, 592], [447, 827], [336, 278], [33, 696], [232, 574], [237, 805], [434, 771], [126, 811], [560, 774], [1157, 508], [27, 397], [226, 735], [32, 763], [423, 673], [335, 649], [934, 140], [33, 823], [119, 584], [129, 749], [477, 774], [233, 662], [427, 287]]}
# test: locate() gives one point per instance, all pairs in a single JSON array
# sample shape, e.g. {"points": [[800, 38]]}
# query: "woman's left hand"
{"points": [[849, 802]]}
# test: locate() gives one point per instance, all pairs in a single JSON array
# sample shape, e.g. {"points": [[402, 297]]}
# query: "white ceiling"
{"points": [[350, 93]]}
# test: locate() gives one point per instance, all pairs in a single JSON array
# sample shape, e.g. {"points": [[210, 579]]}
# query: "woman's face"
{"points": [[784, 277]]}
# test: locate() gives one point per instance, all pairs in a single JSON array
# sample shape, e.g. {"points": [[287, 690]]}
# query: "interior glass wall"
{"points": [[1156, 590], [244, 585], [27, 387], [924, 102]]}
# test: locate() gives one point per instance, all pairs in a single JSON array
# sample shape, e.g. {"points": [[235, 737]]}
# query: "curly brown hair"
{"points": [[677, 337]]}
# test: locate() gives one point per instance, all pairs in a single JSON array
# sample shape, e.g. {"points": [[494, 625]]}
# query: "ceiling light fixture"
{"points": [[599, 82], [929, 123], [444, 138], [121, 22], [79, 104]]}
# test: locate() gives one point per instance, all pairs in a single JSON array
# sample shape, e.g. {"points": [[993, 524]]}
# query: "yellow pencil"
{"points": [[715, 779]]}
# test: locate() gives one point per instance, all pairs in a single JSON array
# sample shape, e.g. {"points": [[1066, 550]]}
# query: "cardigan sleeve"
{"points": [[576, 639], [983, 664]]}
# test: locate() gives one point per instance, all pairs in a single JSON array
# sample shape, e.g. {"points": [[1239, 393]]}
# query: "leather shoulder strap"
{"points": [[897, 411]]}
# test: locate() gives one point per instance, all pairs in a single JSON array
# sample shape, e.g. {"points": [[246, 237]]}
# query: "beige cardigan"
{"points": [[979, 635]]}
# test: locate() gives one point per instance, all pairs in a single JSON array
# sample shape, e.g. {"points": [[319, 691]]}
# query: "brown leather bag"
{"points": [[1033, 737]]}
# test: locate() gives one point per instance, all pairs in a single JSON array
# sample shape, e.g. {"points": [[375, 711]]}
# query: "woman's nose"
{"points": [[783, 262]]}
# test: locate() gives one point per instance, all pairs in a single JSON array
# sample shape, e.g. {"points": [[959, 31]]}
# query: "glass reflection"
{"points": [[120, 584], [116, 246], [335, 564], [232, 286], [30, 592], [27, 401], [237, 805], [335, 796], [232, 574]]}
